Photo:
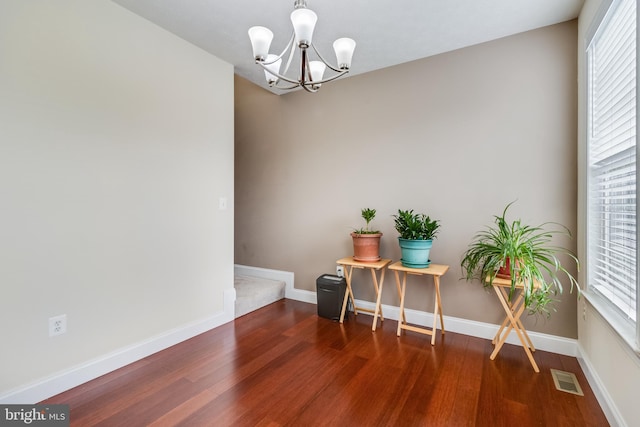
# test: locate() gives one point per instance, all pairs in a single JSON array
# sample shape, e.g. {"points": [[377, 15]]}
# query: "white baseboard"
{"points": [[546, 342], [604, 398], [67, 379]]}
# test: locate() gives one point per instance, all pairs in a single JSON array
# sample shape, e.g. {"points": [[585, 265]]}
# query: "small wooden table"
{"points": [[349, 264], [513, 310], [435, 270]]}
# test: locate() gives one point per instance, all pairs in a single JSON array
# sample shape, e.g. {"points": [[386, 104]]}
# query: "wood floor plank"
{"points": [[283, 365], [327, 399], [237, 370], [177, 414], [468, 391]]}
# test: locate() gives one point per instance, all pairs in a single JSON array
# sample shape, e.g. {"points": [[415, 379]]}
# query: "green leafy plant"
{"points": [[368, 215], [526, 253], [415, 226]]}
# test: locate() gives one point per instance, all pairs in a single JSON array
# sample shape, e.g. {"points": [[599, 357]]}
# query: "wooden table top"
{"points": [[433, 269], [506, 283], [381, 263]]}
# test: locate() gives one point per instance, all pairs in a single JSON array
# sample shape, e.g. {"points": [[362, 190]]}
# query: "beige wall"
{"points": [[457, 136], [614, 364], [116, 140]]}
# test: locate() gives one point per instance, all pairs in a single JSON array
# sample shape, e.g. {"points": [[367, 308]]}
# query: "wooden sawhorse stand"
{"points": [[513, 310], [349, 264], [435, 270]]}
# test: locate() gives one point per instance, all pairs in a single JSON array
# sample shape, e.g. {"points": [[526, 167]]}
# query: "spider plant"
{"points": [[526, 251]]}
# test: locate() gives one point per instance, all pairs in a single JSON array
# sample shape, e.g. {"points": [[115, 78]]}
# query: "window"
{"points": [[612, 155]]}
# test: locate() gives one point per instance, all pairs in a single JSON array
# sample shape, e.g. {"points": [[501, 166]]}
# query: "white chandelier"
{"points": [[311, 74]]}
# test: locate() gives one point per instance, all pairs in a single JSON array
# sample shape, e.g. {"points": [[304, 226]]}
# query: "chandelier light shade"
{"points": [[344, 48], [260, 41], [311, 73], [273, 69], [304, 22], [317, 70]]}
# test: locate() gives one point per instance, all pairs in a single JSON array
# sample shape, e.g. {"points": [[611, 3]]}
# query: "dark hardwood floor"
{"points": [[283, 365]]}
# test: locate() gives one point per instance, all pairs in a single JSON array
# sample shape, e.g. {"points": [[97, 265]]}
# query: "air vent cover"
{"points": [[567, 382]]}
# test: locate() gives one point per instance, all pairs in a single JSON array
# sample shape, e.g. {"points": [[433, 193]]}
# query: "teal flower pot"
{"points": [[415, 253]]}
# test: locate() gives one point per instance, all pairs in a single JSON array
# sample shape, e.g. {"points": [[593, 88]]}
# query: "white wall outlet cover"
{"points": [[57, 325]]}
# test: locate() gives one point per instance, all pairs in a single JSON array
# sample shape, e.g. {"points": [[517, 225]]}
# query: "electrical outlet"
{"points": [[57, 325], [339, 271]]}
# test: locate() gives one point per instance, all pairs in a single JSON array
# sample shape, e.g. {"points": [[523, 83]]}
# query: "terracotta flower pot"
{"points": [[504, 272], [366, 247]]}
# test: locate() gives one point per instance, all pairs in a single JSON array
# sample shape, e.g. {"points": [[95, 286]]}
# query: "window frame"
{"points": [[627, 329]]}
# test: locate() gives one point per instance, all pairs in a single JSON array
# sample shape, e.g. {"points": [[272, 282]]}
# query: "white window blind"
{"points": [[612, 154]]}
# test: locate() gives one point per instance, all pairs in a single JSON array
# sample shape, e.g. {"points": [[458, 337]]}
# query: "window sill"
{"points": [[623, 329]]}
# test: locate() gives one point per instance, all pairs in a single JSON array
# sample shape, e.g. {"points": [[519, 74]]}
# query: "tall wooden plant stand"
{"points": [[513, 310]]}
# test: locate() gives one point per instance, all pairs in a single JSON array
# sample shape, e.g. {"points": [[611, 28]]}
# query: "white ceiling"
{"points": [[387, 32]]}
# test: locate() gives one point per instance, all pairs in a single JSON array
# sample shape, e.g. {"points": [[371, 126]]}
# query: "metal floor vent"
{"points": [[566, 381]]}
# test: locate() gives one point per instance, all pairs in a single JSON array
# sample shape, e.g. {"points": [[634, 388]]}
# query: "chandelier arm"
{"points": [[304, 67], [278, 75], [288, 45], [291, 46], [295, 86], [337, 70], [297, 83], [276, 58], [318, 82], [309, 89], [308, 85]]}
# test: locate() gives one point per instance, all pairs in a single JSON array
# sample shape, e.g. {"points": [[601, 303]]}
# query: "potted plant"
{"points": [[366, 242], [417, 232], [524, 255]]}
